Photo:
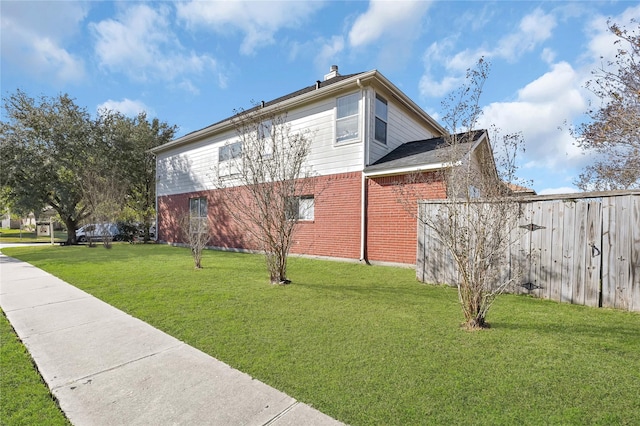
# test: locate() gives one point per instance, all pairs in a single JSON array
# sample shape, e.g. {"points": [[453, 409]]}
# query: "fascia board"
{"points": [[408, 170]]}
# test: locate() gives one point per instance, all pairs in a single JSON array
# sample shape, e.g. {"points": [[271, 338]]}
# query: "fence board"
{"points": [[523, 253], [580, 252], [568, 223], [556, 252], [593, 259], [622, 253], [634, 218], [546, 239], [608, 297], [536, 250]]}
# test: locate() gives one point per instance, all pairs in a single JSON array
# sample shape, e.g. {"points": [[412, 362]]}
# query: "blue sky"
{"points": [[193, 63]]}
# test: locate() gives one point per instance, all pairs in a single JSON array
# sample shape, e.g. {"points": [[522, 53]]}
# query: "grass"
{"points": [[15, 236], [370, 345], [24, 397]]}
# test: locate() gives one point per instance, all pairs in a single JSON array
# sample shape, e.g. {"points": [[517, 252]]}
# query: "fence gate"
{"points": [[583, 250]]}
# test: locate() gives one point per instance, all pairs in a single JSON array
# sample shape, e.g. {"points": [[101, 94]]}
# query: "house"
{"points": [[367, 136]]}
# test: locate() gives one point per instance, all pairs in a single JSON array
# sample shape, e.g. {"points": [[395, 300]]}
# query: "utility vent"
{"points": [[333, 72]]}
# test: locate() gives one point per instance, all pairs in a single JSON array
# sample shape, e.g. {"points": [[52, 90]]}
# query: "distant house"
{"points": [[367, 136]]}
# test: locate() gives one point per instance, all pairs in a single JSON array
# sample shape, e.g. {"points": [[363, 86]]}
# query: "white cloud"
{"points": [[34, 36], [601, 44], [126, 106], [533, 29], [434, 88], [401, 19], [541, 108], [141, 44], [329, 51], [548, 55], [258, 20]]}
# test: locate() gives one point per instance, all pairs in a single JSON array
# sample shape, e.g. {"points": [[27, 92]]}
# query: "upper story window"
{"points": [[381, 119], [226, 153], [347, 117], [265, 138], [230, 151]]}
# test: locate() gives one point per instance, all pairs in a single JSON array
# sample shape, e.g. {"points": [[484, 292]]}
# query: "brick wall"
{"points": [[391, 216], [335, 230]]}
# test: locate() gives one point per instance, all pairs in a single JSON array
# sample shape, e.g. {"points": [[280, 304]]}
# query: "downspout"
{"points": [[363, 193], [155, 234]]}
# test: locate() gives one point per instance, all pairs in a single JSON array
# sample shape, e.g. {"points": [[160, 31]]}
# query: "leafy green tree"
{"points": [[140, 166], [44, 146]]}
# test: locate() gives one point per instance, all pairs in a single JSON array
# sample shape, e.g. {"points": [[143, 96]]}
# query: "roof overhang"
{"points": [[418, 168], [409, 170]]}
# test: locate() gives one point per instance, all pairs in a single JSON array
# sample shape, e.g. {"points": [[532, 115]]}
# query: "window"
{"points": [[264, 129], [301, 208], [198, 215], [381, 120], [265, 139], [225, 154], [347, 117], [230, 151]]}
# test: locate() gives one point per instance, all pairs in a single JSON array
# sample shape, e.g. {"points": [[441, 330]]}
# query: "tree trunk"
{"points": [[71, 224]]}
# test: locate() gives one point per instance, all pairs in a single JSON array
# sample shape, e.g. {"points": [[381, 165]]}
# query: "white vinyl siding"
{"points": [[191, 168]]}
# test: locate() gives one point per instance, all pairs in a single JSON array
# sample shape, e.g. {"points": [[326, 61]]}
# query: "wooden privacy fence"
{"points": [[577, 248]]}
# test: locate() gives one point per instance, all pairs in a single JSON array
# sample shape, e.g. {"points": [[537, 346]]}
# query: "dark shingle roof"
{"points": [[423, 153]]}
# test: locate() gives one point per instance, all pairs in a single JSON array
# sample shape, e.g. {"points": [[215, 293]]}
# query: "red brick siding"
{"points": [[391, 228], [335, 230]]}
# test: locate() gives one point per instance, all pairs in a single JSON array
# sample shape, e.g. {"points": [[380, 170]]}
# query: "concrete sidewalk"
{"points": [[106, 367]]}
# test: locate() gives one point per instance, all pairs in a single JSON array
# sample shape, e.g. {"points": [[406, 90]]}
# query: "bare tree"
{"points": [[105, 196], [614, 132], [196, 232], [264, 182], [477, 223]]}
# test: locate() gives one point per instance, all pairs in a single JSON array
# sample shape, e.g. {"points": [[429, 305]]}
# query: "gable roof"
{"points": [[426, 154], [329, 87]]}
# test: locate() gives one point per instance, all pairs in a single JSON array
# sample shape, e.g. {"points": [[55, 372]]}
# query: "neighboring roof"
{"points": [[424, 154], [520, 190], [320, 88]]}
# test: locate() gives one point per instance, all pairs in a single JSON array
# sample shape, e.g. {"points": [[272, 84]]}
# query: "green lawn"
{"points": [[15, 236], [371, 345], [24, 397]]}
